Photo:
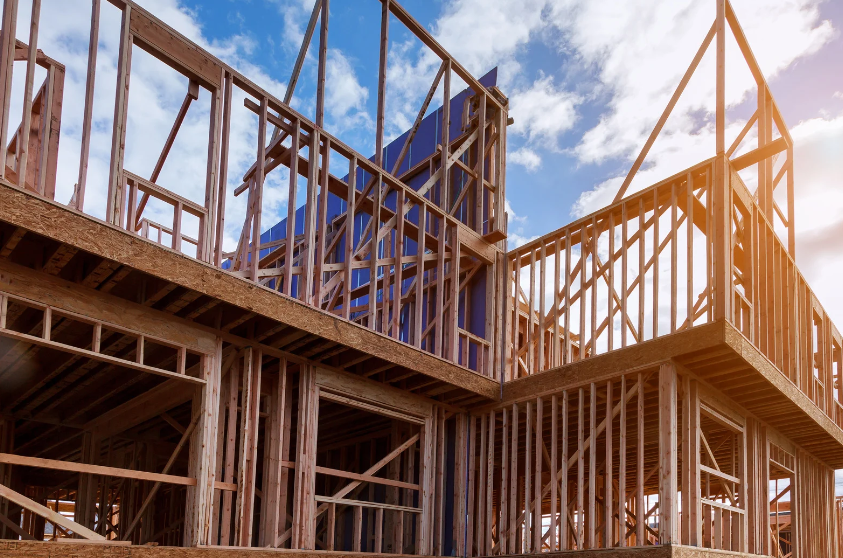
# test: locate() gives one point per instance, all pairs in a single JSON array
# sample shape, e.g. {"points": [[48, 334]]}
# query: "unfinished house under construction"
{"points": [[377, 373]]}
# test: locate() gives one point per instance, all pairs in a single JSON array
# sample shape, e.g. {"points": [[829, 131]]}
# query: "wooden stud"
{"points": [[668, 482], [118, 135], [26, 119], [554, 468]]}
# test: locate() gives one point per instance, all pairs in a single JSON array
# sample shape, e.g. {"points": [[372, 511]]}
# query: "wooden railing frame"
{"points": [[461, 217]]}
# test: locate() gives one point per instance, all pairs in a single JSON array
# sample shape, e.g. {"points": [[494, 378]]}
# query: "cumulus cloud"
{"points": [[515, 233], [480, 34], [640, 51], [818, 208], [543, 111], [345, 99], [635, 51], [156, 93], [485, 33], [527, 158], [638, 71]]}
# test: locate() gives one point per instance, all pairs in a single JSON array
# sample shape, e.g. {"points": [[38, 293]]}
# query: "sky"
{"points": [[586, 81]]}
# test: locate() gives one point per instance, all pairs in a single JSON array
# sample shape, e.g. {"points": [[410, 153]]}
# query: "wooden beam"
{"points": [[668, 109], [50, 515], [668, 456], [424, 35], [72, 467], [757, 155], [124, 535]]}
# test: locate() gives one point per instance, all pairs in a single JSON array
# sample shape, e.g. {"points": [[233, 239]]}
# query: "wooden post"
{"points": [[503, 523], [513, 482], [374, 254], [205, 249], [118, 135], [622, 464], [458, 532], [87, 491], [203, 449], [349, 236], [479, 183], [537, 485], [258, 196], [591, 514], [306, 283], [668, 506], [225, 133], [439, 303], [250, 405], [424, 531], [691, 510], [453, 309], [7, 435], [444, 182], [271, 512], [722, 207], [379, 123], [528, 474], [89, 104], [26, 118], [291, 208], [322, 224], [564, 535], [304, 508], [608, 499], [487, 543], [580, 470], [639, 469], [439, 494], [323, 64], [554, 486], [7, 59]]}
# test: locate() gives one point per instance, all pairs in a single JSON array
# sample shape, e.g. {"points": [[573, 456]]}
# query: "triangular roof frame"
{"points": [[766, 116]]}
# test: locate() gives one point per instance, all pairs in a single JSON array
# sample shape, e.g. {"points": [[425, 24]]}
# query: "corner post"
{"points": [[86, 494], [692, 512], [668, 454], [721, 236], [7, 59], [304, 508], [114, 207], [203, 451]]}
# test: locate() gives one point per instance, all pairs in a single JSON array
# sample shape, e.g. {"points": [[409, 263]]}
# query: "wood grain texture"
{"points": [[55, 221]]}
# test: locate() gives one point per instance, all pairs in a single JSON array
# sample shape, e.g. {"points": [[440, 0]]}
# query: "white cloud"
{"points": [[525, 157], [515, 231], [818, 208], [542, 112], [345, 98], [481, 34], [640, 50], [485, 33], [673, 151], [156, 92]]}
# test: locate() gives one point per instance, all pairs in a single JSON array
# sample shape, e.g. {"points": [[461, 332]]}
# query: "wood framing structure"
{"points": [[376, 374]]}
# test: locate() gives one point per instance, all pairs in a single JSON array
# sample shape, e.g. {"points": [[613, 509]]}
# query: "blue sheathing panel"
{"points": [[423, 146]]}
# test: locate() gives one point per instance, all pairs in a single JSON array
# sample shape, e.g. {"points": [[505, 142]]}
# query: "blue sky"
{"points": [[586, 82], [804, 89]]}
